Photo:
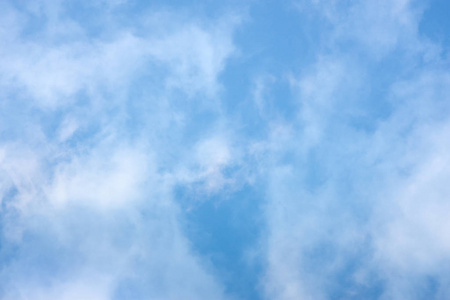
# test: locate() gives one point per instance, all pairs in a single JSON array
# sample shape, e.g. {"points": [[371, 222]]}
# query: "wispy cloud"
{"points": [[347, 212], [126, 126], [87, 202]]}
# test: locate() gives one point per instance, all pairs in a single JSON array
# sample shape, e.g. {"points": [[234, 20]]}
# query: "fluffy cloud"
{"points": [[87, 204], [114, 114], [358, 211]]}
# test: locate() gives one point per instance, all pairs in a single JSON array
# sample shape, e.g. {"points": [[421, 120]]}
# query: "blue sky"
{"points": [[229, 150]]}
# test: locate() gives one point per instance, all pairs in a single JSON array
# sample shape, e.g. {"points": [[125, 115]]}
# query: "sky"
{"points": [[224, 150]]}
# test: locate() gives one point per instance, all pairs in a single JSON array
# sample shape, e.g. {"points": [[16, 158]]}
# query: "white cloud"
{"points": [[101, 180], [82, 166], [87, 287], [411, 226], [380, 197], [53, 73], [90, 178], [196, 56], [206, 163]]}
